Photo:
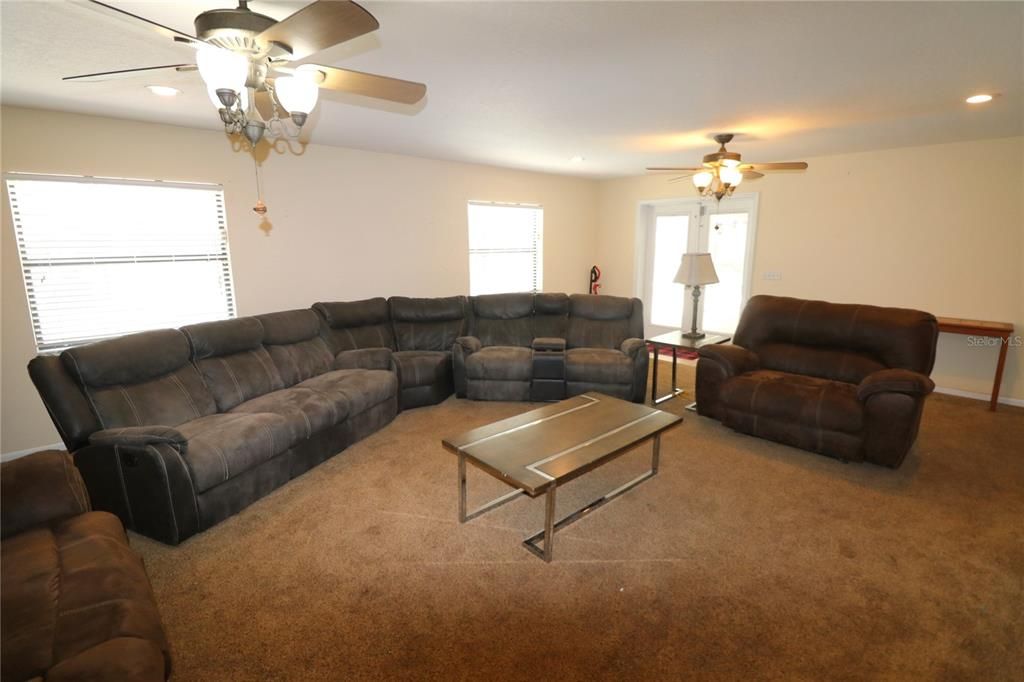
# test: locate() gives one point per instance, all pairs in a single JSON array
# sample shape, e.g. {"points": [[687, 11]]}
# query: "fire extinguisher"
{"points": [[595, 278]]}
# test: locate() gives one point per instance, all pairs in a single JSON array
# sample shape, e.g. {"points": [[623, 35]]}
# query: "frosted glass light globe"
{"points": [[222, 69], [730, 176], [298, 93], [702, 179]]}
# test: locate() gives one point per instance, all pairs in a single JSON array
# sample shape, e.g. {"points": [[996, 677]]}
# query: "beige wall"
{"points": [[940, 228], [347, 224]]}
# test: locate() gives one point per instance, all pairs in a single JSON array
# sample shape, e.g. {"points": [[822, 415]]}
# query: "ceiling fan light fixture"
{"points": [[298, 93], [222, 69], [730, 163], [978, 99], [730, 176], [702, 180]]}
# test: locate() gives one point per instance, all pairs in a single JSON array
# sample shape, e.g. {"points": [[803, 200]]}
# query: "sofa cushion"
{"points": [[293, 340], [427, 323], [306, 411], [793, 398], [423, 367], [358, 389], [507, 363], [824, 363], [357, 324], [502, 319], [550, 315], [140, 379], [69, 588], [603, 321], [221, 446], [598, 366], [231, 357], [894, 337]]}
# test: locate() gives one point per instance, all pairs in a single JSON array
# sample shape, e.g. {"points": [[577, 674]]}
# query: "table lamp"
{"points": [[695, 270]]}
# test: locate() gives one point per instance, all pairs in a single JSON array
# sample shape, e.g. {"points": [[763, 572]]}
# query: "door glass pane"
{"points": [[670, 235], [727, 243]]}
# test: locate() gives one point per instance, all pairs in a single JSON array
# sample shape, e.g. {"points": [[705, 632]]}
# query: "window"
{"points": [[105, 257], [504, 247]]}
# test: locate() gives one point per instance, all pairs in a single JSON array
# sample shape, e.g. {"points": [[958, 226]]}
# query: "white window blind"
{"points": [[505, 252], [103, 257]]}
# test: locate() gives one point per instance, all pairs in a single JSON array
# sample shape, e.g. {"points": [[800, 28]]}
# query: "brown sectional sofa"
{"points": [[77, 604], [175, 430], [847, 381]]}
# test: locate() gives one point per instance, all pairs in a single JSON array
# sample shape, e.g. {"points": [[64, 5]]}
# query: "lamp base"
{"points": [[693, 335]]}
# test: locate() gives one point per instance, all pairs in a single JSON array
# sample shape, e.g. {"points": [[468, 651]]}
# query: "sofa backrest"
{"points": [[65, 401], [603, 321], [292, 338], [550, 316], [140, 379], [351, 325], [427, 323], [837, 341], [502, 319], [231, 357]]}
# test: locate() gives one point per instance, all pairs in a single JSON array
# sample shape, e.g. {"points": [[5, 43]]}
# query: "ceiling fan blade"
{"points": [[752, 175], [679, 179], [371, 85], [783, 165], [669, 169], [129, 72], [320, 25], [165, 31]]}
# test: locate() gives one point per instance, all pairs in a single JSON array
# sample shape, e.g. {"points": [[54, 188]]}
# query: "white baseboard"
{"points": [[1017, 402], [8, 456]]}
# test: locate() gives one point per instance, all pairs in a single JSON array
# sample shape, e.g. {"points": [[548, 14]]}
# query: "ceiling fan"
{"points": [[722, 171], [252, 64]]}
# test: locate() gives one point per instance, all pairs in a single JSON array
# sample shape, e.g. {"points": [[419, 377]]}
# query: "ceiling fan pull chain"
{"points": [[260, 208]]}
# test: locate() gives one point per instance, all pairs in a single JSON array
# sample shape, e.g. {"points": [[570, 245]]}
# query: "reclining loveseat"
{"points": [[175, 430], [847, 381]]}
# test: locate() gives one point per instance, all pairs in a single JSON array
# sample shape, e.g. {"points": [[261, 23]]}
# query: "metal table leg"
{"points": [[483, 509], [551, 526]]}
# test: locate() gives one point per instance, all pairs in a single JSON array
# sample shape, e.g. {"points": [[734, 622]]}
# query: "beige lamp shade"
{"points": [[696, 268]]}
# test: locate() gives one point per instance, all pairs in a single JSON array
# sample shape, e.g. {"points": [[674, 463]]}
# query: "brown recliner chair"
{"points": [[847, 381]]}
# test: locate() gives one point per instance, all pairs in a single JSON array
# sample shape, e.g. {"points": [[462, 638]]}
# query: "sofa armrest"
{"points": [[894, 381], [469, 344], [364, 358], [140, 436], [735, 360], [40, 488], [548, 343], [633, 346]]}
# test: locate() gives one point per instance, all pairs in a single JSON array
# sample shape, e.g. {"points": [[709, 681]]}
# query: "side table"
{"points": [[674, 340]]}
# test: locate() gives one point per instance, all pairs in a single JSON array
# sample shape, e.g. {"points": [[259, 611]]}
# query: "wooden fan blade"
{"points": [[165, 31], [264, 104], [129, 72], [783, 165], [751, 175], [320, 25], [680, 178], [660, 169], [371, 85]]}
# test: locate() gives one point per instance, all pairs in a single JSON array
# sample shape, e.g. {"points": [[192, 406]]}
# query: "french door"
{"points": [[726, 231]]}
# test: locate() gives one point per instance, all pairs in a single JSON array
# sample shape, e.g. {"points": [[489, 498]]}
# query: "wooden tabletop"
{"points": [[959, 325], [556, 443]]}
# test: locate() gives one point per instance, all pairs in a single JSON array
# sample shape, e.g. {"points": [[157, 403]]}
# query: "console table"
{"points": [[998, 330], [674, 340]]}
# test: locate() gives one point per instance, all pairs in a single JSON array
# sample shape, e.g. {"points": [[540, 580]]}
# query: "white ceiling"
{"points": [[626, 85]]}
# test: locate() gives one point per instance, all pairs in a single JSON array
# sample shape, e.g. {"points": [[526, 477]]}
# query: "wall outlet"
{"points": [[773, 275]]}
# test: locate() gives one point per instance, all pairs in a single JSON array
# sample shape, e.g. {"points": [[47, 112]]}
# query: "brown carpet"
{"points": [[742, 559]]}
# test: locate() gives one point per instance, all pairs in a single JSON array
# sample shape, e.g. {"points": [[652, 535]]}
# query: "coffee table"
{"points": [[540, 450]]}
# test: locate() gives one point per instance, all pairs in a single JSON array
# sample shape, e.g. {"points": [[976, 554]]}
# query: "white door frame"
{"points": [[649, 209]]}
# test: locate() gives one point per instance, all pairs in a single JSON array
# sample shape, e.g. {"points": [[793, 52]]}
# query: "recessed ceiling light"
{"points": [[577, 159], [978, 99], [163, 90]]}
